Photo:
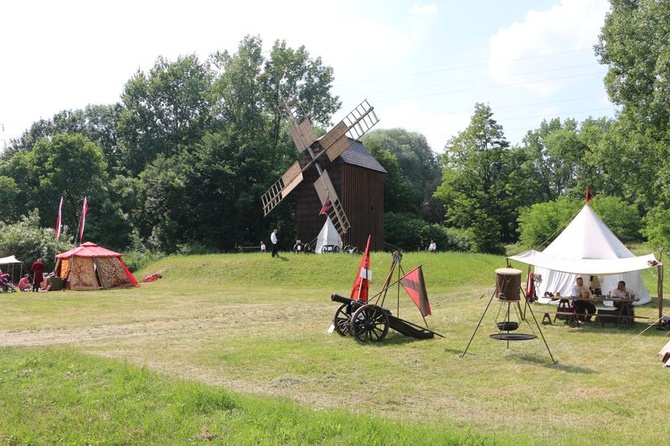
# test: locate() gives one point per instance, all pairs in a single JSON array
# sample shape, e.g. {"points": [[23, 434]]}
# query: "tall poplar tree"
{"points": [[478, 164]]}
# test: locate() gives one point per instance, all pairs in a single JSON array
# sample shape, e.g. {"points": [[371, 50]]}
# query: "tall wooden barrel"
{"points": [[508, 284]]}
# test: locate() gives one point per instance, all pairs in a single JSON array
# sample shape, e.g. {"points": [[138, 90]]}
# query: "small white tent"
{"points": [[328, 237], [587, 248], [8, 260]]}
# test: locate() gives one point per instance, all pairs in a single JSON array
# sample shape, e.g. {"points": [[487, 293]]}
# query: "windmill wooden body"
{"points": [[317, 153]]}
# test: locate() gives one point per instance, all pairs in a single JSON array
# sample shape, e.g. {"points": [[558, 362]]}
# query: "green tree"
{"points": [[475, 182], [9, 199], [541, 223], [28, 240], [291, 77], [164, 112], [657, 227], [417, 162], [398, 192], [554, 153], [67, 165], [633, 43]]}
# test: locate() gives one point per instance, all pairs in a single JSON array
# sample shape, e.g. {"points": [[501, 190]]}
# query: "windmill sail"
{"points": [[282, 187], [360, 120], [326, 192], [333, 144], [302, 134]]}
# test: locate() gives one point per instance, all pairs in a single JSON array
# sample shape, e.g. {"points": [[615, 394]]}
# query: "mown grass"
{"points": [[248, 336], [59, 396]]}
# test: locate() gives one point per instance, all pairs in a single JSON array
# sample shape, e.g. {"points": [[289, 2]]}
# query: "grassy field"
{"points": [[235, 349]]}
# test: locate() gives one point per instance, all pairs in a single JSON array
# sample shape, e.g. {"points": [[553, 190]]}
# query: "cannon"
{"points": [[368, 322]]}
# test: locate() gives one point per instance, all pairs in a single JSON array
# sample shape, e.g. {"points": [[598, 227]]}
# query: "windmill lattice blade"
{"points": [[338, 217], [280, 189], [360, 120], [326, 191]]}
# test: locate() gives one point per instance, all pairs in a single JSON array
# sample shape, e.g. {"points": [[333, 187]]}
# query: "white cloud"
{"points": [[532, 51], [437, 127], [421, 9]]}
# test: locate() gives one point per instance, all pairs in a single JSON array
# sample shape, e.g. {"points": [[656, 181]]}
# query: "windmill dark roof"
{"points": [[358, 155]]}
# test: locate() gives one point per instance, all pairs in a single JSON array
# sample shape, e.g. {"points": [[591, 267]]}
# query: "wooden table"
{"points": [[622, 313]]}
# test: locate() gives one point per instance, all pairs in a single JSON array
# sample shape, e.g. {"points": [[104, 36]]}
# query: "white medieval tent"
{"points": [[587, 247], [91, 267], [8, 265], [328, 237]]}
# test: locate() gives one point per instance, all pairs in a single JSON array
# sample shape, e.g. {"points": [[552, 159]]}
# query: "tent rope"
{"points": [[654, 324]]}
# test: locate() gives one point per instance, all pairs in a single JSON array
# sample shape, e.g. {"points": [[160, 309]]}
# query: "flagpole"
{"points": [[59, 221], [82, 222]]}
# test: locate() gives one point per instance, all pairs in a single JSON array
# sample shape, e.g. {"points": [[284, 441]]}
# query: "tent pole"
{"points": [[660, 293]]}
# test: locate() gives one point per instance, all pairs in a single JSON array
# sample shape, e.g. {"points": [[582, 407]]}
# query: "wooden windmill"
{"points": [[312, 149]]}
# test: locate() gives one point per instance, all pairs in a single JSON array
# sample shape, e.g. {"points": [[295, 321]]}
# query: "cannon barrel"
{"points": [[341, 299]]}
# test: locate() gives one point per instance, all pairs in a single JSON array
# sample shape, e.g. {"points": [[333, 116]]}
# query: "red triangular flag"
{"points": [[84, 211], [326, 207], [415, 286], [360, 289], [58, 219]]}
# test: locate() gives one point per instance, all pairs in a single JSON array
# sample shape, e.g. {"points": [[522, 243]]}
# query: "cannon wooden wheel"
{"points": [[369, 323], [341, 320]]}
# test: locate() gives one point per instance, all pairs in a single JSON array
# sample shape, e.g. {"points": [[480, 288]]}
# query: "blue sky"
{"points": [[422, 64]]}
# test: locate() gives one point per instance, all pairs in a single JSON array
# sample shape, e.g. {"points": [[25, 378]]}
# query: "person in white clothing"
{"points": [[581, 293], [623, 292], [275, 241]]}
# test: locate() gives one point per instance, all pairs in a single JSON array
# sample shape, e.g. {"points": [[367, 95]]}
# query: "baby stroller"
{"points": [[6, 284]]}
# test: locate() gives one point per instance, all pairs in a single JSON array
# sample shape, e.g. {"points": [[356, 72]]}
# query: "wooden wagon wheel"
{"points": [[341, 320], [369, 323]]}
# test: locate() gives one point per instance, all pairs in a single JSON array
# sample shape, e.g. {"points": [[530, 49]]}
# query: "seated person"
{"points": [[582, 294], [24, 283], [623, 292], [6, 283], [46, 282]]}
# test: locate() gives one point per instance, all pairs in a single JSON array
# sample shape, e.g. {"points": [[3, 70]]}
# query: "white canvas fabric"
{"points": [[587, 248], [8, 260], [328, 236]]}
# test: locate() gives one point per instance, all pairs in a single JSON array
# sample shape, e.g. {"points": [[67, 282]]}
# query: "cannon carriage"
{"points": [[369, 321]]}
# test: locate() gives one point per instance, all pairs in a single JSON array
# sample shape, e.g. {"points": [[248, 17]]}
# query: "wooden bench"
{"points": [[621, 317], [601, 317]]}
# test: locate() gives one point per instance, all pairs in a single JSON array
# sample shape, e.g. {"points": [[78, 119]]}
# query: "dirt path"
{"points": [[91, 334]]}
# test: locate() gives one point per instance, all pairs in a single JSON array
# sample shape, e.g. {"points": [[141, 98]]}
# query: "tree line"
{"points": [[179, 163]]}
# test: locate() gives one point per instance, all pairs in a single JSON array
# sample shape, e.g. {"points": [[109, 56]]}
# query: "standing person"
{"points": [[38, 270], [582, 295], [433, 246], [262, 246], [275, 241]]}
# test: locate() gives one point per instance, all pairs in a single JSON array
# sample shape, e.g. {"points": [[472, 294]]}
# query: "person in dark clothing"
{"points": [[38, 274]]}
